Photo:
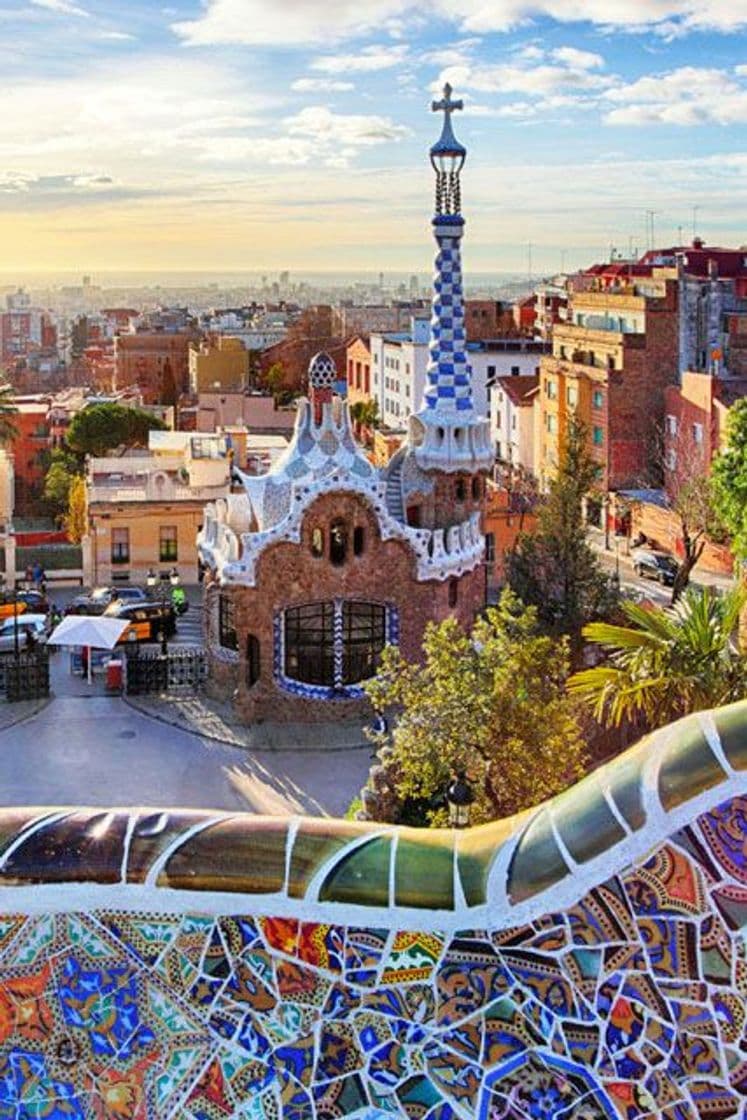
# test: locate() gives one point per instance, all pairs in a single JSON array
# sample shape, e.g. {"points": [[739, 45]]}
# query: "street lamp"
{"points": [[156, 582], [615, 578], [459, 797]]}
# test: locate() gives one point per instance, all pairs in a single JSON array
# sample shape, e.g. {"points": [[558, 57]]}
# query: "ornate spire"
{"points": [[452, 436], [447, 157]]}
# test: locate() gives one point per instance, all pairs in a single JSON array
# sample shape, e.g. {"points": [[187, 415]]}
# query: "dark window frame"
{"points": [[168, 547], [227, 636], [120, 549], [338, 543], [334, 644], [253, 660]]}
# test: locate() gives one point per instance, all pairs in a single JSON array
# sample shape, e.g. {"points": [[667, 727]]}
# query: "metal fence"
{"points": [[179, 670], [25, 677]]}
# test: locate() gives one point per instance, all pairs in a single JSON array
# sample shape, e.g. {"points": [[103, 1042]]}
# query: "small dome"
{"points": [[322, 371]]}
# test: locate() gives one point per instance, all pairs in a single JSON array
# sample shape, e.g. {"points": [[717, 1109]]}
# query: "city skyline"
{"points": [[220, 137]]}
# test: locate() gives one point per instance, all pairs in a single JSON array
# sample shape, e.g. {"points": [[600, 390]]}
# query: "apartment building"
{"points": [[145, 509], [610, 365], [512, 419], [399, 363]]}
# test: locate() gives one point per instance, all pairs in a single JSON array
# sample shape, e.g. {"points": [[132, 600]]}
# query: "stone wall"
{"points": [[290, 575], [585, 960]]}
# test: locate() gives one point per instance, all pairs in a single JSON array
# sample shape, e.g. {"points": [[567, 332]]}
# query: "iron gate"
{"points": [[25, 677], [179, 670]]}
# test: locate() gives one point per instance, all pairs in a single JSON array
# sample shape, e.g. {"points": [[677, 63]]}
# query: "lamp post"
{"points": [[459, 797], [155, 582]]}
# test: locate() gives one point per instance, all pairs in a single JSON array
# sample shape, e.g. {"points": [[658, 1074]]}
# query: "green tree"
{"points": [[729, 479], [669, 662], [63, 468], [365, 413], [492, 702], [275, 379], [8, 429], [102, 427], [76, 518], [554, 568]]}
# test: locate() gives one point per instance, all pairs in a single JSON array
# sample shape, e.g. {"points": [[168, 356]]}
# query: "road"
{"points": [[86, 748]]}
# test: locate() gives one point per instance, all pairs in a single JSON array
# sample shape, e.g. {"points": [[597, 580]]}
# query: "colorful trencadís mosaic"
{"points": [[132, 989]]}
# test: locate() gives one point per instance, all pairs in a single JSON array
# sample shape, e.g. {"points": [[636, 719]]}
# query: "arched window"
{"points": [[317, 542], [359, 540], [476, 488], [338, 542], [252, 660], [460, 490], [333, 644], [453, 592]]}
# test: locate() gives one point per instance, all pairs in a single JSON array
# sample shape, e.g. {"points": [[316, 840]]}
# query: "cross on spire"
{"points": [[446, 106]]}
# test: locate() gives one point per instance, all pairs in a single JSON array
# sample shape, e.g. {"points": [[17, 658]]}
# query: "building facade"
{"points": [[610, 365], [324, 560], [145, 510], [512, 403], [218, 364], [156, 361]]}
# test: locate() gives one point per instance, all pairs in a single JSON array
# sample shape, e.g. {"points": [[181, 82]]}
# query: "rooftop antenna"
{"points": [[650, 228]]}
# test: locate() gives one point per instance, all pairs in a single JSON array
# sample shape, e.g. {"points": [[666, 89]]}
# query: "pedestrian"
{"points": [[43, 582], [29, 576], [30, 639], [37, 573]]}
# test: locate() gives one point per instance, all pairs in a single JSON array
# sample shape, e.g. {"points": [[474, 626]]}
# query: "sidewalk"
{"points": [[210, 719], [609, 556]]}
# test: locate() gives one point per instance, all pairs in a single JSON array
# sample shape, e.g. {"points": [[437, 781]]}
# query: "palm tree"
{"points": [[669, 662], [8, 430]]}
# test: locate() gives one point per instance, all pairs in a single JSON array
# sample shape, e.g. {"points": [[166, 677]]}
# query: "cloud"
{"points": [[576, 59], [329, 129], [19, 183], [367, 60], [64, 7], [289, 23], [565, 73], [320, 85], [690, 95]]}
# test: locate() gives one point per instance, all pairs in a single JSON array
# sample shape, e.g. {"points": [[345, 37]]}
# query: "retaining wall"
{"points": [[586, 960]]}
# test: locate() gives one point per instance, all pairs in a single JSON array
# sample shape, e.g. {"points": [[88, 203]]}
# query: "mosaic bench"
{"points": [[584, 960]]}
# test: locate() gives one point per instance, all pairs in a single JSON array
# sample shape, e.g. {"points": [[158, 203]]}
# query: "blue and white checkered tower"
{"points": [[447, 433]]}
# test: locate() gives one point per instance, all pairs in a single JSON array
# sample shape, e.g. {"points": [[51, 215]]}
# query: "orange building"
{"points": [[694, 431], [29, 449], [506, 515], [150, 359], [610, 366], [358, 366]]}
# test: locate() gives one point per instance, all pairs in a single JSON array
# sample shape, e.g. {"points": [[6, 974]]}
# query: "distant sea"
{"points": [[198, 279]]}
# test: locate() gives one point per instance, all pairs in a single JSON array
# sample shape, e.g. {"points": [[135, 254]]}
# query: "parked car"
{"points": [[36, 624], [654, 564], [101, 597], [147, 619], [36, 601], [11, 604]]}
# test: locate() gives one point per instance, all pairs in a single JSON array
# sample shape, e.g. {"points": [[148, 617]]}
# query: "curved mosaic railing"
{"points": [[583, 960]]}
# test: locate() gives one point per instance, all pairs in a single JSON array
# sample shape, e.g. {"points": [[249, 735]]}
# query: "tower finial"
{"points": [[447, 157]]}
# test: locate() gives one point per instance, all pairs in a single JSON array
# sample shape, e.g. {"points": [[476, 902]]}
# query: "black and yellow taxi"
{"points": [[147, 619], [11, 604]]}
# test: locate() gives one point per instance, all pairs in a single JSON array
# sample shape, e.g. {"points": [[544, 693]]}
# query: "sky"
{"points": [[294, 134]]}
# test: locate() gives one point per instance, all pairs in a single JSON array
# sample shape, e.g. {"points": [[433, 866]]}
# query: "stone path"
{"points": [[211, 719]]}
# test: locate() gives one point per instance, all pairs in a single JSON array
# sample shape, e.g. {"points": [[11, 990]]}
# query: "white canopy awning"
{"points": [[88, 630]]}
